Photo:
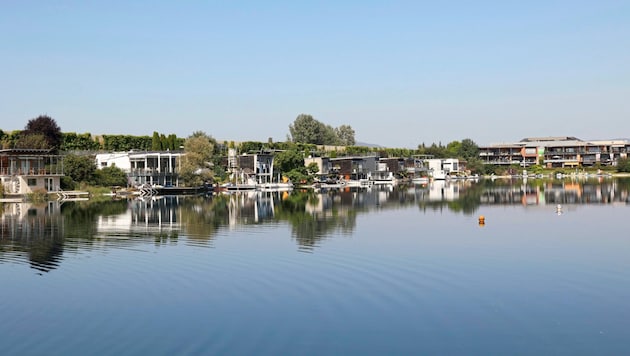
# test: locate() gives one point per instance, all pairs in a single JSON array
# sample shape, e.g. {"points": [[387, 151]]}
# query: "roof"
{"points": [[550, 138], [33, 151]]}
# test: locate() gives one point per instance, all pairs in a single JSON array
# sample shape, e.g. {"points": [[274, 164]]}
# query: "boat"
{"points": [[359, 183], [439, 174], [152, 190], [237, 187], [278, 186], [420, 180], [381, 178], [329, 184]]}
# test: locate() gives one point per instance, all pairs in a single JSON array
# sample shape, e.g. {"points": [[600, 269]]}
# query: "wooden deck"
{"points": [[68, 195]]}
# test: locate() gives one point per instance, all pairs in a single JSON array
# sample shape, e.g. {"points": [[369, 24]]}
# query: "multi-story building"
{"points": [[22, 171], [251, 168], [555, 152], [351, 168], [151, 167]]}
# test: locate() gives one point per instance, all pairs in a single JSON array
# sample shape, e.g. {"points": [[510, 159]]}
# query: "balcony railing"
{"points": [[6, 171]]}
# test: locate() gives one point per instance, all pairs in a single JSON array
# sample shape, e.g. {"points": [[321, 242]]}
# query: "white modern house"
{"points": [[441, 168], [149, 167]]}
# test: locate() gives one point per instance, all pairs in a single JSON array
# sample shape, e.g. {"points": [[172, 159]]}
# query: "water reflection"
{"points": [[32, 233], [40, 234]]}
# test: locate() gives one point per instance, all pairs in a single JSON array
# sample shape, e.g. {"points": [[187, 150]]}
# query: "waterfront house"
{"points": [[388, 168], [251, 168], [22, 170], [149, 167], [354, 168], [555, 152], [440, 168]]}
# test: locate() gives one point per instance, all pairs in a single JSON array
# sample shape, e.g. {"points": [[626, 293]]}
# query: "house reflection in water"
{"points": [[32, 232], [39, 234]]}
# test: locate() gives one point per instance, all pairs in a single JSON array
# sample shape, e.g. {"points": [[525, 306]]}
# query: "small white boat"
{"points": [[275, 186], [360, 183], [420, 180], [439, 174]]}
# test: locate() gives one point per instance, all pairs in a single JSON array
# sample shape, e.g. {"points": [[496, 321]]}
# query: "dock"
{"points": [[72, 195]]}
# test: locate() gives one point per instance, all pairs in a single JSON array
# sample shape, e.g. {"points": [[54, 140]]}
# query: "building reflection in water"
{"points": [[32, 233], [39, 234]]}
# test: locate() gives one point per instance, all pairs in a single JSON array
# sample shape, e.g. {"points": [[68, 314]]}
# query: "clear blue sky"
{"points": [[399, 72]]}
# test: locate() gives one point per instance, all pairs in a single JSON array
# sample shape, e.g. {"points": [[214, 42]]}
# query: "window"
{"points": [[31, 182]]}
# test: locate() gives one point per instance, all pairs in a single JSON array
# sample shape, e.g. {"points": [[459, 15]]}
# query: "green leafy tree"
{"points": [[312, 168], [33, 140], [80, 169], [306, 129], [197, 163], [10, 139], [453, 149], [79, 142], [291, 164], [287, 161], [329, 136], [623, 165], [345, 133], [110, 176], [438, 151], [468, 149], [156, 143]]}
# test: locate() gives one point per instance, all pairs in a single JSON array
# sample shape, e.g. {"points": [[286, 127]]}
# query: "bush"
{"points": [[38, 195], [623, 165], [67, 183]]}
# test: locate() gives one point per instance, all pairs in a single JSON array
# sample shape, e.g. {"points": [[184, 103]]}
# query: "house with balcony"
{"points": [[555, 152], [149, 167], [251, 168], [23, 171], [354, 168], [389, 168]]}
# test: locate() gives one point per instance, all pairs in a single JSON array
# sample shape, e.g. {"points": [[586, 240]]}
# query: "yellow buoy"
{"points": [[482, 220]]}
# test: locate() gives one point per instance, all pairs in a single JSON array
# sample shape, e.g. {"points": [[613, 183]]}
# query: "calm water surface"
{"points": [[406, 270]]}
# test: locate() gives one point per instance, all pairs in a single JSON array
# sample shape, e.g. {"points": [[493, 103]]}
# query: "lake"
{"points": [[386, 270]]}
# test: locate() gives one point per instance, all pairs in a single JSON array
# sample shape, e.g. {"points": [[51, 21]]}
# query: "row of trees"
{"points": [[43, 132]]}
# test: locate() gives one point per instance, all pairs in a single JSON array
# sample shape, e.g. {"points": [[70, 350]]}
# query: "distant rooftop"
{"points": [[550, 138]]}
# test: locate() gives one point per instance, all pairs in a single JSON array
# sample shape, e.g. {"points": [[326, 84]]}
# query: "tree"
{"points": [[46, 126], [33, 140], [346, 135], [110, 176], [79, 168], [197, 161], [623, 165], [79, 142], [306, 129], [312, 168], [453, 149], [291, 165], [156, 143], [468, 149], [287, 161]]}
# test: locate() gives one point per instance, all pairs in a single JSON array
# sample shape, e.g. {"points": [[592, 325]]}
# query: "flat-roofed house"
{"points": [[23, 170]]}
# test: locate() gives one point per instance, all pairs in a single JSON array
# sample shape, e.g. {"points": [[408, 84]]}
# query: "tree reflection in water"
{"points": [[40, 234]]}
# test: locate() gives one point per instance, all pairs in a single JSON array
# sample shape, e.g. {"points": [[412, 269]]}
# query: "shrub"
{"points": [[38, 195]]}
